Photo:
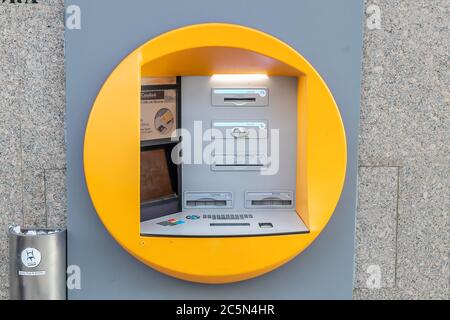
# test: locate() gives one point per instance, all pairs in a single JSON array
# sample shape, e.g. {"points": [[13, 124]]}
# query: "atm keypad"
{"points": [[228, 216]]}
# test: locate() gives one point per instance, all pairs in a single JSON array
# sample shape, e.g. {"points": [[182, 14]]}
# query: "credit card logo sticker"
{"points": [[171, 222]]}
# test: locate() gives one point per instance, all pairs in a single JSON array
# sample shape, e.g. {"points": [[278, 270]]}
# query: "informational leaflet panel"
{"points": [[158, 112]]}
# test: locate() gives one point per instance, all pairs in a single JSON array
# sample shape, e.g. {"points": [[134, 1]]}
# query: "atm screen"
{"points": [[155, 176]]}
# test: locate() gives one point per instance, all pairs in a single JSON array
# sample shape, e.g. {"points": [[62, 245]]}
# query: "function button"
{"points": [[265, 225]]}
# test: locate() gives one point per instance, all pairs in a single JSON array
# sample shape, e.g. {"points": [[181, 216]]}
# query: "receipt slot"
{"points": [[240, 215]]}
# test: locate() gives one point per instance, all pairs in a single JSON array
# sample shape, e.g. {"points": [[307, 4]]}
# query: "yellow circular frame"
{"points": [[112, 149]]}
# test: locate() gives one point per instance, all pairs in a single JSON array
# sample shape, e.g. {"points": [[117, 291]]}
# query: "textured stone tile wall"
{"points": [[32, 105], [402, 222], [376, 228], [402, 238]]}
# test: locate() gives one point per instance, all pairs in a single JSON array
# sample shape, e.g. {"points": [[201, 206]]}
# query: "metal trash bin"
{"points": [[37, 264]]}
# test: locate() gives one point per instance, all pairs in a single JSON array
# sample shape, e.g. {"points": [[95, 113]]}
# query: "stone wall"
{"points": [[403, 202]]}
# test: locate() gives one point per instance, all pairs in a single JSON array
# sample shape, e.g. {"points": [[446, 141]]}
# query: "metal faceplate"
{"points": [[237, 169], [257, 97]]}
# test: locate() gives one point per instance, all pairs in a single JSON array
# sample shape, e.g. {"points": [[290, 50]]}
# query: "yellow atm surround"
{"points": [[112, 150]]}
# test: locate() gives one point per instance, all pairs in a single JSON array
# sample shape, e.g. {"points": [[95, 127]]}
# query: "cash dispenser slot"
{"points": [[208, 200], [240, 131], [269, 200]]}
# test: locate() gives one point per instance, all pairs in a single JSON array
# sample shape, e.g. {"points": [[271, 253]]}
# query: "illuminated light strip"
{"points": [[239, 77]]}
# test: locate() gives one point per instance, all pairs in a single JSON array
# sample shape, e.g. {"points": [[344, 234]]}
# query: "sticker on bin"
{"points": [[31, 257]]}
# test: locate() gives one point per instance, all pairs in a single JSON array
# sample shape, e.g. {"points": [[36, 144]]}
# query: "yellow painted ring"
{"points": [[112, 149]]}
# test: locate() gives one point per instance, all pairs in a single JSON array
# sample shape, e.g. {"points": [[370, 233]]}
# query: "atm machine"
{"points": [[216, 153], [149, 217], [237, 174]]}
